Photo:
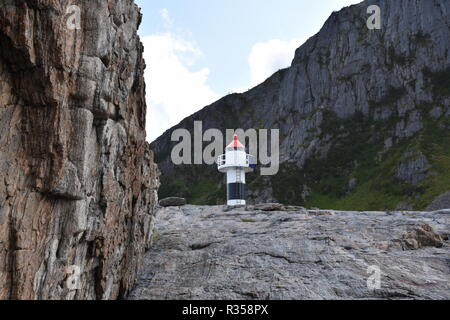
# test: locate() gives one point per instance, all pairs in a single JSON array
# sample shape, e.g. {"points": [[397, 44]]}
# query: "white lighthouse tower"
{"points": [[236, 163]]}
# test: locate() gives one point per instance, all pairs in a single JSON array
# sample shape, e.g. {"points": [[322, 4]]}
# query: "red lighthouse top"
{"points": [[235, 144]]}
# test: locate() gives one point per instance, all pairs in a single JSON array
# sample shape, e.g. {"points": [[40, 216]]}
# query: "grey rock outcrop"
{"points": [[206, 253], [78, 182], [413, 168], [269, 207]]}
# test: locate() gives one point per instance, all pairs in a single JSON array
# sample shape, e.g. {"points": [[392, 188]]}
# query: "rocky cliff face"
{"points": [[364, 116], [77, 179], [292, 253]]}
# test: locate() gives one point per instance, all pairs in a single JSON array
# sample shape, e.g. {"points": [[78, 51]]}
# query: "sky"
{"points": [[198, 51]]}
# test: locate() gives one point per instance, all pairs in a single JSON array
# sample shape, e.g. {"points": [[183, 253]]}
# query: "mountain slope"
{"points": [[364, 116]]}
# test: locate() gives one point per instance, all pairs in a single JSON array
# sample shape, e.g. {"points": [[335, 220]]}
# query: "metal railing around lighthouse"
{"points": [[249, 161]]}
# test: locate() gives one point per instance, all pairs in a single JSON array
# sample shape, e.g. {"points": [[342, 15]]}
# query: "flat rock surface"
{"points": [[206, 253]]}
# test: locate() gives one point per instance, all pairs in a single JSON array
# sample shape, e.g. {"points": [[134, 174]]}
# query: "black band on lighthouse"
{"points": [[236, 191]]}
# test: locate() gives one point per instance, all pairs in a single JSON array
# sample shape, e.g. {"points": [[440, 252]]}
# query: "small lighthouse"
{"points": [[236, 163]]}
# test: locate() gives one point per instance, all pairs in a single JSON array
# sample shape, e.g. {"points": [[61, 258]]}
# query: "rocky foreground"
{"points": [[215, 253]]}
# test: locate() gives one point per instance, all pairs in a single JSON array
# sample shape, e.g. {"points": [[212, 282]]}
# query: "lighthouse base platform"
{"points": [[236, 203]]}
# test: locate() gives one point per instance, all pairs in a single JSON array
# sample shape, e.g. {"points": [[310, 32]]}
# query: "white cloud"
{"points": [[164, 14], [268, 57], [174, 91]]}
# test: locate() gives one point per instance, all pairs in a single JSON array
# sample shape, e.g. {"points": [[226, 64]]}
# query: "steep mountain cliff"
{"points": [[364, 116], [77, 179]]}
